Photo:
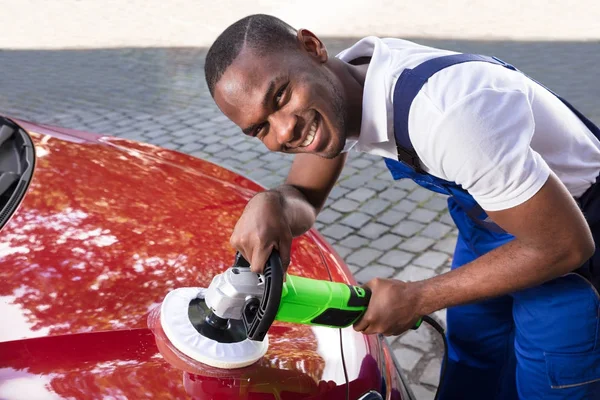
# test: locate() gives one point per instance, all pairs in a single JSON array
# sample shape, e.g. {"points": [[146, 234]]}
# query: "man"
{"points": [[522, 309]]}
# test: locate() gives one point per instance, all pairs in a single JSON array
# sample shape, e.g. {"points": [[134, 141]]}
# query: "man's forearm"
{"points": [[300, 214], [507, 269]]}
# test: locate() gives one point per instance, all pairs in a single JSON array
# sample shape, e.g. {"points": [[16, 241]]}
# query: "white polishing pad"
{"points": [[182, 334]]}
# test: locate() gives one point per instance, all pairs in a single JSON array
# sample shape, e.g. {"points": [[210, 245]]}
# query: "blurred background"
{"points": [[134, 69]]}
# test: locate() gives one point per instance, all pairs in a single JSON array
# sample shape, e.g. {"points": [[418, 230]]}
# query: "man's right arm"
{"points": [[272, 218]]}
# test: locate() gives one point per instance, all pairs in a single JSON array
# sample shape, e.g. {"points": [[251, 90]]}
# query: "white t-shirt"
{"points": [[489, 129]]}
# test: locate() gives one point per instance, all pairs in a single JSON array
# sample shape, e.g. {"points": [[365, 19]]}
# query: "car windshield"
{"points": [[16, 167]]}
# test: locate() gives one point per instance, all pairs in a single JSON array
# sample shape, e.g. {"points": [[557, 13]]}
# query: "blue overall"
{"points": [[538, 343]]}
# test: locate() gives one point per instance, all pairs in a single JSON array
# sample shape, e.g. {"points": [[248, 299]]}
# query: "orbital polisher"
{"points": [[226, 325]]}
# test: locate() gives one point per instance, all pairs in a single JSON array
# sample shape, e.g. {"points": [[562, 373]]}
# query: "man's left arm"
{"points": [[552, 238]]}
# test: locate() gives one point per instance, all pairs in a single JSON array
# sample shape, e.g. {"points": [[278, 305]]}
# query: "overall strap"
{"points": [[408, 86]]}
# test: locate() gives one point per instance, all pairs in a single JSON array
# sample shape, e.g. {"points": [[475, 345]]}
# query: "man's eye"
{"points": [[279, 94], [258, 130]]}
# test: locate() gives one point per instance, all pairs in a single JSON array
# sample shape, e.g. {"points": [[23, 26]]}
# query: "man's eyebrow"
{"points": [[248, 130], [265, 103], [269, 93]]}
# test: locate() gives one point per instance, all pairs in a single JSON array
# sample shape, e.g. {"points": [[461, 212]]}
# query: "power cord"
{"points": [[435, 325]]}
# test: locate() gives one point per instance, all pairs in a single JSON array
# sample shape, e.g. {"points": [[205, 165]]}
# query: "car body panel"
{"points": [[107, 228]]}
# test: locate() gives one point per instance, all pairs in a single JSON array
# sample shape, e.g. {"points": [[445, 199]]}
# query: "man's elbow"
{"points": [[580, 250]]}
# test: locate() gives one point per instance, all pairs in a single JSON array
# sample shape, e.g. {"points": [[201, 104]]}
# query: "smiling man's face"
{"points": [[290, 100]]}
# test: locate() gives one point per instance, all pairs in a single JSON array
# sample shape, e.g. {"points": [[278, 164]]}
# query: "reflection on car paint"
{"points": [[100, 238]]}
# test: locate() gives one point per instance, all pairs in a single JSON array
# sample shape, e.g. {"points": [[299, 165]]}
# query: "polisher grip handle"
{"points": [[259, 316]]}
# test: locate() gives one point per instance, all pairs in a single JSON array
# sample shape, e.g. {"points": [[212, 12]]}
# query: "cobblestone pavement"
{"points": [[381, 227]]}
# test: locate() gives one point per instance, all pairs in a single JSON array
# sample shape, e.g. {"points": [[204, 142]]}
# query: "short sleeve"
{"points": [[483, 144]]}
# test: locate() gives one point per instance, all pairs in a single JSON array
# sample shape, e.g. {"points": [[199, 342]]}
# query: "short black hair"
{"points": [[260, 32]]}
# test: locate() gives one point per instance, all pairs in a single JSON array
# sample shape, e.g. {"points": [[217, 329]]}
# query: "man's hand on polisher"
{"points": [[262, 228]]}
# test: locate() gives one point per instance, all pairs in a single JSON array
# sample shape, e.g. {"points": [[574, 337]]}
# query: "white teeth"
{"points": [[311, 135]]}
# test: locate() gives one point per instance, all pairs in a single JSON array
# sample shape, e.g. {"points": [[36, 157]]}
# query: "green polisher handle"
{"points": [[316, 302]]}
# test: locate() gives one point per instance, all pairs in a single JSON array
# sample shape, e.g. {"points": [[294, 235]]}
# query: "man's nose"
{"points": [[283, 125]]}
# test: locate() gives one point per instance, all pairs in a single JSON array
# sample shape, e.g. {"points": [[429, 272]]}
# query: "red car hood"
{"points": [[107, 228]]}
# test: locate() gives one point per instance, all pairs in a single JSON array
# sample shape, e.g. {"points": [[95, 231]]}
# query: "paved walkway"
{"points": [[380, 227]]}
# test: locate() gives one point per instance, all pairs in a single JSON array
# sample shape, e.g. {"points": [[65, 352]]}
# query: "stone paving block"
{"points": [[416, 244], [361, 194], [373, 230], [206, 125], [408, 228], [255, 164], [440, 316], [214, 148], [191, 147], [393, 194], [184, 132], [201, 155], [171, 146], [406, 206], [405, 184], [271, 181], [444, 269], [413, 274], [241, 147], [133, 135], [272, 157], [431, 259], [447, 219], [446, 245], [347, 172], [318, 226], [354, 242], [209, 137], [387, 176], [247, 155], [345, 205], [337, 192], [396, 258], [356, 220], [155, 133], [232, 141], [436, 230], [374, 271], [220, 118], [377, 184], [422, 393], [187, 139], [373, 171], [354, 269], [437, 203], [363, 257], [422, 215], [328, 216], [276, 166], [431, 374], [360, 163], [355, 181], [258, 174], [407, 358], [420, 339], [342, 251], [374, 206], [337, 231], [386, 242], [391, 217], [420, 195]]}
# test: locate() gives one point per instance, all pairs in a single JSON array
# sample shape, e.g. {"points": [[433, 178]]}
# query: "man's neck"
{"points": [[353, 79]]}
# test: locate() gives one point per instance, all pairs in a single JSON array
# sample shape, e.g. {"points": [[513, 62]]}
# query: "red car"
{"points": [[96, 230]]}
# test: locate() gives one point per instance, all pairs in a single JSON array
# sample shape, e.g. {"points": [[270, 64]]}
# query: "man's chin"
{"points": [[331, 153]]}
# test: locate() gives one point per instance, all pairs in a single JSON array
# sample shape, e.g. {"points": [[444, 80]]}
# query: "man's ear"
{"points": [[310, 43]]}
